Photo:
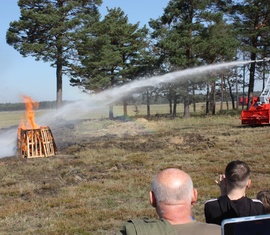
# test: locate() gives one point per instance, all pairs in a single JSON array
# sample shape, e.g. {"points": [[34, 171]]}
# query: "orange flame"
{"points": [[30, 105]]}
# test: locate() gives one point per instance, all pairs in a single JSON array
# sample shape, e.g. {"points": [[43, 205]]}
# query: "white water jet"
{"points": [[110, 96], [101, 100]]}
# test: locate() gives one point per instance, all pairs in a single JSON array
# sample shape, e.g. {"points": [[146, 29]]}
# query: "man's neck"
{"points": [[235, 194], [177, 214]]}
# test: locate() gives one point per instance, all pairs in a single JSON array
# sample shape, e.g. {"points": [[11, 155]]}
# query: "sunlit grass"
{"points": [[106, 178]]}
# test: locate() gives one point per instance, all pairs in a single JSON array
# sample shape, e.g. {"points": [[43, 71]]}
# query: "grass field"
{"points": [[14, 118], [102, 172]]}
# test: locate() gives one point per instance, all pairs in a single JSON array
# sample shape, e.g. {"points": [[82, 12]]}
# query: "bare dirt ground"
{"points": [[130, 136]]}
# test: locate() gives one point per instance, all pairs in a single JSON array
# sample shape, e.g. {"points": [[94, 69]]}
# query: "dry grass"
{"points": [[102, 176]]}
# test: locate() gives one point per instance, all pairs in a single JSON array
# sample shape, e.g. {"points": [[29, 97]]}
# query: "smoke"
{"points": [[101, 100], [8, 142]]}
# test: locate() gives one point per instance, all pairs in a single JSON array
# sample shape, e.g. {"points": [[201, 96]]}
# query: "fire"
{"points": [[34, 140], [30, 105]]}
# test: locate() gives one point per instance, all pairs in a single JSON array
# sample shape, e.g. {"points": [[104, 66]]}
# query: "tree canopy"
{"points": [[114, 55], [46, 30], [100, 53]]}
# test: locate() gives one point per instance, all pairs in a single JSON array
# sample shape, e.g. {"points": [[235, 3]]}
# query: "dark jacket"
{"points": [[216, 210]]}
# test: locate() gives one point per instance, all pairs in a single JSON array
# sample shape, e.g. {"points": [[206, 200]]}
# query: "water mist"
{"points": [[103, 99]]}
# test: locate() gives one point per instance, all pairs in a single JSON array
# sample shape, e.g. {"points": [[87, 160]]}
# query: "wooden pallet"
{"points": [[34, 143]]}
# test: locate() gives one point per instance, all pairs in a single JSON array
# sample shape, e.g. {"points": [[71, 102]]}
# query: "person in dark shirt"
{"points": [[233, 201]]}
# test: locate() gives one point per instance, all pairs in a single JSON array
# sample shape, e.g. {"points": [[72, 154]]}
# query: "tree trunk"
{"points": [[251, 80], [231, 94], [233, 101], [227, 103], [221, 92], [186, 106], [186, 100], [111, 112], [207, 99], [59, 84], [194, 98], [236, 88], [125, 107], [213, 98], [174, 106], [148, 103], [243, 92], [170, 105]]}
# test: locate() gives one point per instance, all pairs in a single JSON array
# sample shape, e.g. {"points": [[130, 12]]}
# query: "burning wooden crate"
{"points": [[38, 142]]}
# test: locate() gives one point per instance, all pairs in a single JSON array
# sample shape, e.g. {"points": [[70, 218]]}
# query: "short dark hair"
{"points": [[264, 197], [237, 173]]}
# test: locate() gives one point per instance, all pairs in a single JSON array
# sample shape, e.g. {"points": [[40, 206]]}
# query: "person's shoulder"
{"points": [[202, 224], [206, 229], [259, 205], [209, 227], [146, 226], [212, 200], [211, 203], [257, 201]]}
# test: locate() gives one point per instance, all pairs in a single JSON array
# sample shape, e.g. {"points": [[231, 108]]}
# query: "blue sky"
{"points": [[25, 76]]}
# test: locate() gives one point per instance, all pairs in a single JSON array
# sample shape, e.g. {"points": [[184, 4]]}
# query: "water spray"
{"points": [[262, 60], [101, 100]]}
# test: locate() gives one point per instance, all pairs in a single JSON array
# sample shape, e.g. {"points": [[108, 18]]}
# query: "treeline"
{"points": [[21, 106], [138, 100], [100, 53]]}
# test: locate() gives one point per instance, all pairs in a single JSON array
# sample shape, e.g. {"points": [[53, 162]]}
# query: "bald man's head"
{"points": [[172, 186]]}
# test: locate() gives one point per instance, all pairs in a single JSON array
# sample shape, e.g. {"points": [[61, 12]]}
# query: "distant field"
{"points": [[10, 118], [14, 117]]}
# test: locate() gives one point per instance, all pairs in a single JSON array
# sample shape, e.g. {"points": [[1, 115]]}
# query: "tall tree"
{"points": [[46, 30], [116, 55], [177, 33], [218, 44], [251, 19]]}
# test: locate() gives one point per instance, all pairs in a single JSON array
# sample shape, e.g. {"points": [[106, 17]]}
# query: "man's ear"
{"points": [[248, 184], [194, 197], [152, 198]]}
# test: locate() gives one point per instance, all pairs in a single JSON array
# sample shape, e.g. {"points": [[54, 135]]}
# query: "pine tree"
{"points": [[115, 55], [46, 31], [190, 33], [218, 43], [177, 32], [251, 19]]}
